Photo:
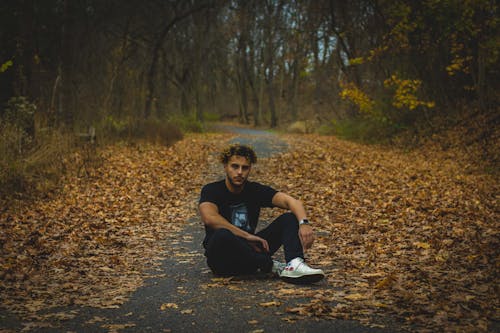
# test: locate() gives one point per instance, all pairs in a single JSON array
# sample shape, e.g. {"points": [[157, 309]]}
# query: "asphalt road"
{"points": [[193, 302]]}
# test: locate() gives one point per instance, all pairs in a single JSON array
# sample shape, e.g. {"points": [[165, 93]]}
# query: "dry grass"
{"points": [[35, 168]]}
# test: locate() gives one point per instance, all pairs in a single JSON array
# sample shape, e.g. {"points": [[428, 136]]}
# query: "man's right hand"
{"points": [[258, 243]]}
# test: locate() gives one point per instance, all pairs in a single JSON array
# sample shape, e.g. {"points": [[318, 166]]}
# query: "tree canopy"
{"points": [[264, 61]]}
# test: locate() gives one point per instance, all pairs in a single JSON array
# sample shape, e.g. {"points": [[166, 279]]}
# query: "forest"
{"points": [[380, 115], [362, 69]]}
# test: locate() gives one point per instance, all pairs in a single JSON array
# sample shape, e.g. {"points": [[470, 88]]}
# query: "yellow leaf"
{"points": [[355, 297], [223, 280], [165, 306], [272, 303], [384, 282], [235, 288], [379, 304], [5, 66], [422, 245], [287, 291]]}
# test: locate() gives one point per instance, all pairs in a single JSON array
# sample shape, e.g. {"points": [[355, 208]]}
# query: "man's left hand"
{"points": [[306, 236]]}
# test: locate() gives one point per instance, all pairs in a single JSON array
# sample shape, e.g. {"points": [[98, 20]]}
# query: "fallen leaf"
{"points": [[269, 304], [422, 245], [355, 297], [165, 306]]}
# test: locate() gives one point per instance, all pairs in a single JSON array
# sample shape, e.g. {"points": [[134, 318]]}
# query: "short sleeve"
{"points": [[208, 194], [265, 195]]}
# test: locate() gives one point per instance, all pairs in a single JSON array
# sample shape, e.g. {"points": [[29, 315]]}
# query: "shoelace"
{"points": [[289, 266]]}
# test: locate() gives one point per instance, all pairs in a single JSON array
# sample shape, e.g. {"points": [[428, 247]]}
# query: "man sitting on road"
{"points": [[230, 211]]}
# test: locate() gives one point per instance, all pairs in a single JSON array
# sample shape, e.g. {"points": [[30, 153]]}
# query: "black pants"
{"points": [[228, 254]]}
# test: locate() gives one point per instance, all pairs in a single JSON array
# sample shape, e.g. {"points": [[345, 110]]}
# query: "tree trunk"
{"points": [[270, 88], [269, 59], [252, 75], [242, 83], [67, 110], [116, 67], [294, 91], [150, 79]]}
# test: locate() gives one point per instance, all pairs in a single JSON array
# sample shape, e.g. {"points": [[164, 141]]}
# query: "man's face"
{"points": [[237, 170]]}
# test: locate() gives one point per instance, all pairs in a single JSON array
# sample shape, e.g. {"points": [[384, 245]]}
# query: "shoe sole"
{"points": [[304, 279]]}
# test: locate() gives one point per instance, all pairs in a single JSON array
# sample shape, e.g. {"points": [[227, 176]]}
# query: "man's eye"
{"points": [[245, 167]]}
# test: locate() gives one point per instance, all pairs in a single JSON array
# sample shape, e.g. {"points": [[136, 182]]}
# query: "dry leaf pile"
{"points": [[400, 234], [93, 244], [413, 237]]}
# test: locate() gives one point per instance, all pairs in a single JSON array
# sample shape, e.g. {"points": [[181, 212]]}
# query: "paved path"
{"points": [[187, 299], [202, 304], [264, 143]]}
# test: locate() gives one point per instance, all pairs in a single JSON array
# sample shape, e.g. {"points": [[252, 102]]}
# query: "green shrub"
{"points": [[111, 128], [211, 116], [188, 124], [326, 129], [363, 129]]}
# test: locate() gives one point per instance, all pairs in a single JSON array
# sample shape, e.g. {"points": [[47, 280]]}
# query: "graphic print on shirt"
{"points": [[239, 216]]}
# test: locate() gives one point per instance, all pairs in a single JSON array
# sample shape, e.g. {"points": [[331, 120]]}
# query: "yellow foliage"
{"points": [[378, 51], [6, 66], [359, 98], [459, 64], [402, 25], [356, 61], [405, 93]]}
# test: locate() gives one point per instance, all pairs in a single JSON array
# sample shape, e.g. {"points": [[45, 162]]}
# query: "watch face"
{"points": [[304, 221]]}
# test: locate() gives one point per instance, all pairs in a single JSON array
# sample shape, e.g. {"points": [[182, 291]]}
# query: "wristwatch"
{"points": [[303, 221]]}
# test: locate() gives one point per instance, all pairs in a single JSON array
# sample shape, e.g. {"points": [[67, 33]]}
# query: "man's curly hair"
{"points": [[238, 150]]}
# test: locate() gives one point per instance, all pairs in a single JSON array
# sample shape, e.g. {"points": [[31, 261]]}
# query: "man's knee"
{"points": [[217, 247], [288, 219], [290, 216]]}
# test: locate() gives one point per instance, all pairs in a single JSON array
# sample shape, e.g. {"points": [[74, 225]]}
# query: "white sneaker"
{"points": [[277, 268], [297, 271]]}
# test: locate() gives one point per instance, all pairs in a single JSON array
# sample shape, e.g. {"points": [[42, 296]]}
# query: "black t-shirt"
{"points": [[243, 209]]}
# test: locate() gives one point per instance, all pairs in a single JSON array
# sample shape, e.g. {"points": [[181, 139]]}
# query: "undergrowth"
{"points": [[37, 169], [361, 129], [34, 162], [467, 135], [150, 130]]}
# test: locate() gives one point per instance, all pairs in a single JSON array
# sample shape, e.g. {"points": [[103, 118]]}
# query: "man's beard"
{"points": [[237, 185]]}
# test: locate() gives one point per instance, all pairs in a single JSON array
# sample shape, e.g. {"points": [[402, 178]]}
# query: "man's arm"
{"points": [[211, 218], [285, 201]]}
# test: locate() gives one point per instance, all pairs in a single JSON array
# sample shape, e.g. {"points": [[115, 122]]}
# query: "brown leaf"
{"points": [[165, 306], [269, 304]]}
